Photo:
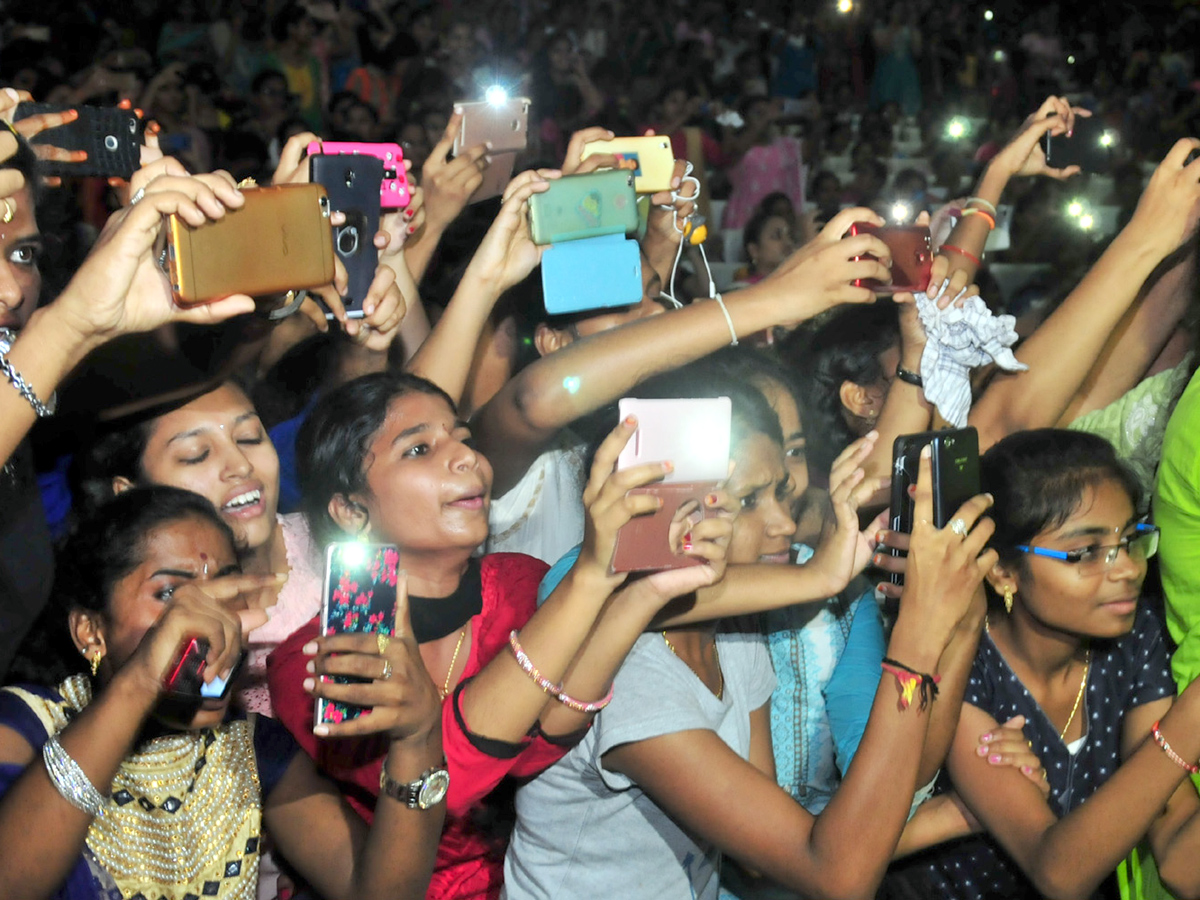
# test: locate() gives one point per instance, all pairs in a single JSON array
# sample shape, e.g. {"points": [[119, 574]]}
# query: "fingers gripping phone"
{"points": [[694, 435], [1090, 147], [912, 257], [504, 127], [359, 598], [954, 466], [593, 273], [352, 182], [394, 190], [111, 137], [279, 240], [584, 206], [186, 678], [650, 158]]}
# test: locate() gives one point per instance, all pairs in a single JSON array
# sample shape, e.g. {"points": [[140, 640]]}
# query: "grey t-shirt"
{"points": [[585, 831]]}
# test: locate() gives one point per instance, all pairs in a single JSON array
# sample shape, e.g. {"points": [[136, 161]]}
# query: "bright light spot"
{"points": [[988, 15], [1107, 139], [1074, 209], [1086, 222], [845, 6], [901, 212], [496, 95], [571, 384], [999, 56], [353, 553], [1070, 60], [956, 128]]}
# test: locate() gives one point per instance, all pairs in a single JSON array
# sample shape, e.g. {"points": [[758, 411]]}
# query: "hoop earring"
{"points": [[95, 659], [1008, 599]]}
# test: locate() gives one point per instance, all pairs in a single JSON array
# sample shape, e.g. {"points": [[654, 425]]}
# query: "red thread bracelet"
{"points": [[967, 253], [1171, 754]]}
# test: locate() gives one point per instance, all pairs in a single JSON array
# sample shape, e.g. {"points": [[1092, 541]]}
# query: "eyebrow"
{"points": [[1096, 530], [425, 426], [196, 432], [177, 573]]}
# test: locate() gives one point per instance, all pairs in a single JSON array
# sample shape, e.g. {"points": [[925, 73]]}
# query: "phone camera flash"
{"points": [[496, 95]]}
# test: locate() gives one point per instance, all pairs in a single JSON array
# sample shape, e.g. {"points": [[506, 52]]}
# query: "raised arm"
{"points": [[1061, 352]]}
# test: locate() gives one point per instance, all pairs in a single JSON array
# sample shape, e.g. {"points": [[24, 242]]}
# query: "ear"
{"points": [[1002, 576], [752, 252], [349, 514], [858, 400], [120, 484], [87, 632], [548, 339]]}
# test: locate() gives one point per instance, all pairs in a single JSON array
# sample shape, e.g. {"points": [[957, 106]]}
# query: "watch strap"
{"points": [[911, 377]]}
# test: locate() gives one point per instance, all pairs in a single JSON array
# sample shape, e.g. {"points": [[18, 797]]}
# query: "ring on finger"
{"points": [[382, 641], [387, 670], [959, 527], [138, 195]]}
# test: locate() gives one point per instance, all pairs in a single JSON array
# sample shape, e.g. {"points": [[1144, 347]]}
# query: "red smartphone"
{"points": [[186, 678], [394, 190], [912, 257]]}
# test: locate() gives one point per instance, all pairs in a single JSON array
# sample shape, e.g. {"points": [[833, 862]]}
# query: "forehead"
{"points": [[759, 461], [1104, 509], [220, 406], [415, 408], [183, 541]]}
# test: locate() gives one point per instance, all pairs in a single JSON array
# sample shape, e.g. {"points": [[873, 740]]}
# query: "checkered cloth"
{"points": [[958, 340]]}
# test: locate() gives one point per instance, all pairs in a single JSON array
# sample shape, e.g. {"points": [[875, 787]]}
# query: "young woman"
{"points": [[110, 787], [678, 769], [386, 458], [1070, 646]]}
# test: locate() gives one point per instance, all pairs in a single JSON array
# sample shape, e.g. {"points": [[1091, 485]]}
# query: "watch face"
{"points": [[433, 791]]}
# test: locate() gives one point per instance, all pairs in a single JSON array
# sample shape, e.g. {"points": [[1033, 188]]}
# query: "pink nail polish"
{"points": [[982, 751], [995, 758], [1028, 770]]}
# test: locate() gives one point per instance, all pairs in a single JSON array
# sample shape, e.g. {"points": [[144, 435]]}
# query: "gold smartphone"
{"points": [[280, 240], [649, 157]]}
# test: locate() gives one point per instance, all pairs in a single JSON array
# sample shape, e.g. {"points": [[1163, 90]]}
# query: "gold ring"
{"points": [[9, 210], [382, 641], [387, 670]]}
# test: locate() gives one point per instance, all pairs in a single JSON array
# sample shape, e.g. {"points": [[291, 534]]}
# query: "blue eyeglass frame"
{"points": [[1111, 550]]}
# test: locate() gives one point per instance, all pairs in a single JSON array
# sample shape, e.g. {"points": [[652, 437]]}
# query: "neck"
{"points": [[434, 574], [269, 557], [693, 642], [1045, 651]]}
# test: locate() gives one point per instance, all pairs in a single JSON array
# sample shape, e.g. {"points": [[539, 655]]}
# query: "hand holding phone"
{"points": [[353, 183], [1090, 146], [649, 157], [502, 126], [584, 206], [394, 189], [912, 257], [110, 137]]}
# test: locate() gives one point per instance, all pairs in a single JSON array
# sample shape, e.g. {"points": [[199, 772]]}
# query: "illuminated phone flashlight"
{"points": [[988, 15], [1086, 221], [1107, 139], [845, 6], [956, 128], [354, 553], [1075, 209], [901, 212], [1070, 60], [496, 95], [999, 56]]}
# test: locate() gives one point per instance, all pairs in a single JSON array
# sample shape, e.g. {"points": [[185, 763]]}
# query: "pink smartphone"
{"points": [[694, 435], [394, 191]]}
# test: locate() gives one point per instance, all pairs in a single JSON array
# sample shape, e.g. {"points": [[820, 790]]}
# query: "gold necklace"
{"points": [[716, 653], [1087, 664], [453, 659]]}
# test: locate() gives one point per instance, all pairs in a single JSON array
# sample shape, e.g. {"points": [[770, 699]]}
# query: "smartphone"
{"points": [[112, 138], [496, 176], [279, 240], [912, 257], [694, 434], [186, 678], [583, 206], [359, 598], [594, 273], [1090, 147], [351, 182], [394, 190], [955, 469], [504, 125], [650, 158]]}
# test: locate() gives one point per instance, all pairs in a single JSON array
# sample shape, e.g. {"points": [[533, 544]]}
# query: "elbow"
{"points": [[844, 882], [1062, 885], [1180, 877], [534, 399]]}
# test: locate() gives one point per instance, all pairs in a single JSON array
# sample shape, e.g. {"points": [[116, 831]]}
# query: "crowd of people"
{"points": [[994, 701]]}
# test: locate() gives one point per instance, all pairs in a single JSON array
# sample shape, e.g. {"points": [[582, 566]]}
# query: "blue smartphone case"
{"points": [[593, 273]]}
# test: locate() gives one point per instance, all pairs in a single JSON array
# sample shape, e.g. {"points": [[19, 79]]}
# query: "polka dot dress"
{"points": [[1124, 674]]}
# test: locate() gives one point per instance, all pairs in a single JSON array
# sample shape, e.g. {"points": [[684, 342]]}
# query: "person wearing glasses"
{"points": [[1069, 646]]}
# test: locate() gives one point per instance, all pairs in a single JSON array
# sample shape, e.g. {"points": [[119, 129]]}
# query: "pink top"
{"points": [[299, 600], [762, 170]]}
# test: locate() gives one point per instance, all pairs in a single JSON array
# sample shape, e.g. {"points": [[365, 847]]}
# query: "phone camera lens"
{"points": [[110, 142], [350, 174], [347, 240], [516, 125]]}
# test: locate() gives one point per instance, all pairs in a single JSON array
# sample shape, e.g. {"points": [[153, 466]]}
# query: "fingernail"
{"points": [[408, 214], [880, 536], [309, 649], [877, 559], [321, 730], [687, 546], [309, 684], [982, 751], [912, 490], [711, 499], [458, 110], [994, 758], [282, 576], [668, 466], [71, 114], [137, 112], [630, 421], [987, 737], [311, 666], [926, 452], [125, 104], [1028, 770], [990, 496], [1071, 132], [411, 228]]}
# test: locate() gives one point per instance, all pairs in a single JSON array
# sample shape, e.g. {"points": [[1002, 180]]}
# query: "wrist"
{"points": [[134, 689], [60, 336], [994, 180], [916, 648]]}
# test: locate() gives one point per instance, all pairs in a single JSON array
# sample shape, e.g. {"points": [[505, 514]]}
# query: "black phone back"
{"points": [[112, 138], [352, 181], [1089, 147]]}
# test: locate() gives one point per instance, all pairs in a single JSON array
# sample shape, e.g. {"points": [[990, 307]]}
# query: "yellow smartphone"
{"points": [[280, 240], [650, 158]]}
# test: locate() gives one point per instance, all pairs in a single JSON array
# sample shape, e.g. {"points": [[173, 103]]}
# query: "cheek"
{"points": [[199, 479], [797, 469], [745, 543]]}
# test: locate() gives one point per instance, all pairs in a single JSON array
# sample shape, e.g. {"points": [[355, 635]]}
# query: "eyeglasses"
{"points": [[1141, 545]]}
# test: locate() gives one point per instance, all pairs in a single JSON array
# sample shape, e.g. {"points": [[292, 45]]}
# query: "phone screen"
{"points": [[359, 598]]}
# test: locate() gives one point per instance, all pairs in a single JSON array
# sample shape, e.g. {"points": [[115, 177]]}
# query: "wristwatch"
{"points": [[427, 791], [911, 377]]}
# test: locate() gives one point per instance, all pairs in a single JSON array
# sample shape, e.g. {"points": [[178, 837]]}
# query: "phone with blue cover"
{"points": [[594, 273]]}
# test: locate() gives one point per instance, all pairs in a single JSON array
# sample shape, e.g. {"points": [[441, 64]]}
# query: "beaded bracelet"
{"points": [[580, 706], [1171, 754], [909, 680], [733, 341], [529, 668], [984, 214], [967, 253], [70, 780], [986, 204], [7, 337]]}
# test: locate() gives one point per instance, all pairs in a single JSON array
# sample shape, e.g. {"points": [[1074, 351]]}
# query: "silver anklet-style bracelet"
{"points": [[70, 781], [7, 336]]}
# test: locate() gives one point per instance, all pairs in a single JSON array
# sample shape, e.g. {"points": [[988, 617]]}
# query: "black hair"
{"points": [[102, 549], [25, 161], [288, 15], [844, 346], [1039, 478], [752, 231], [334, 442], [267, 75]]}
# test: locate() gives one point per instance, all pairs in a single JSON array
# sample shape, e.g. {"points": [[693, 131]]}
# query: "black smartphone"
{"points": [[1090, 147], [955, 468], [186, 678], [353, 182], [112, 138]]}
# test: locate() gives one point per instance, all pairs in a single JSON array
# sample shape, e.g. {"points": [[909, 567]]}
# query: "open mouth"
{"points": [[248, 503], [475, 501]]}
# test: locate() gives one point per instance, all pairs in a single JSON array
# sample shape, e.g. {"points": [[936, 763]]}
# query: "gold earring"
{"points": [[1008, 599], [9, 210], [96, 657]]}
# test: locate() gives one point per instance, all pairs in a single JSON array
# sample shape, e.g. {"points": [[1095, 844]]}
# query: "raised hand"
{"points": [[507, 253], [449, 183], [1166, 214], [574, 163], [403, 700], [1023, 155]]}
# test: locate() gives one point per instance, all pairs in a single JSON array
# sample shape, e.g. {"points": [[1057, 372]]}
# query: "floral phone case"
{"points": [[359, 598]]}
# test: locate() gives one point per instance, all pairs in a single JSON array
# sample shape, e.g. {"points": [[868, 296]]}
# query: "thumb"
{"points": [[1017, 721], [403, 627], [254, 618]]}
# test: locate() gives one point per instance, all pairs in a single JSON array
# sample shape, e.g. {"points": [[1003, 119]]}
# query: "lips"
{"points": [[474, 501], [781, 558], [244, 503], [1123, 607]]}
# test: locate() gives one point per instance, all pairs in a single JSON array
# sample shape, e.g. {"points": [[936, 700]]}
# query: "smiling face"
{"points": [[20, 278], [1057, 595], [428, 490], [187, 550], [217, 447], [762, 531]]}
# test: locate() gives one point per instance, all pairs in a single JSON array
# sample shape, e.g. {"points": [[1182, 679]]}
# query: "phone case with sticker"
{"points": [[650, 158], [584, 206]]}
